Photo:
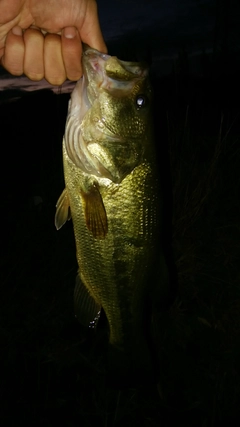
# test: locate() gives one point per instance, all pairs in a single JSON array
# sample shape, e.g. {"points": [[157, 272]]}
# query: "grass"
{"points": [[52, 371]]}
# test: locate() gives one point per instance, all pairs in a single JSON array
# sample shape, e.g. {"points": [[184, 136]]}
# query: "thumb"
{"points": [[90, 31]]}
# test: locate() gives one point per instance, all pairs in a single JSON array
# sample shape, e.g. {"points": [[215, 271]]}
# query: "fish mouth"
{"points": [[109, 73], [95, 59], [93, 71]]}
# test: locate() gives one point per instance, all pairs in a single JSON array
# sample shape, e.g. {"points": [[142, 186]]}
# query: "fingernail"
{"points": [[17, 31], [69, 32]]}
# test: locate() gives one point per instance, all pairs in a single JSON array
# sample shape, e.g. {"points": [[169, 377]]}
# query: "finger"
{"points": [[13, 56], [53, 61], [72, 53], [90, 32], [33, 65]]}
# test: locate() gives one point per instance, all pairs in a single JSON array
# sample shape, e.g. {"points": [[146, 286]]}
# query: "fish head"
{"points": [[119, 93], [109, 116]]}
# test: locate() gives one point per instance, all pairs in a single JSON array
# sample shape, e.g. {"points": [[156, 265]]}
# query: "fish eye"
{"points": [[141, 101]]}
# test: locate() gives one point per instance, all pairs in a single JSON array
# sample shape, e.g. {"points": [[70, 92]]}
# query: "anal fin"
{"points": [[87, 310], [63, 213]]}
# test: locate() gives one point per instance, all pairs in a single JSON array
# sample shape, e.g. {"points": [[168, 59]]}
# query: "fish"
{"points": [[113, 195]]}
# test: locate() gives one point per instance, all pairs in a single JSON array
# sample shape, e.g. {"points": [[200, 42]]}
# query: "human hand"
{"points": [[43, 38]]}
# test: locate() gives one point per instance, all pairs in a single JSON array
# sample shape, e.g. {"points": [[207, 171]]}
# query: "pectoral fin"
{"points": [[87, 310], [95, 214], [63, 212]]}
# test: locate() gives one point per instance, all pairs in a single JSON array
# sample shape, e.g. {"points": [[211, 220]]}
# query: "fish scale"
{"points": [[121, 261]]}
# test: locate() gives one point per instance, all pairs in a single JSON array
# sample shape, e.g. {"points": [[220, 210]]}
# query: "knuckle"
{"points": [[73, 76], [55, 80], [15, 67], [33, 35], [52, 40], [34, 76]]}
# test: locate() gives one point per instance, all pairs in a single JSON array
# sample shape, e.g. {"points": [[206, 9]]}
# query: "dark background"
{"points": [[50, 369]]}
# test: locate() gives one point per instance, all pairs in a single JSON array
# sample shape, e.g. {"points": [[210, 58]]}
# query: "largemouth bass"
{"points": [[113, 196]]}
